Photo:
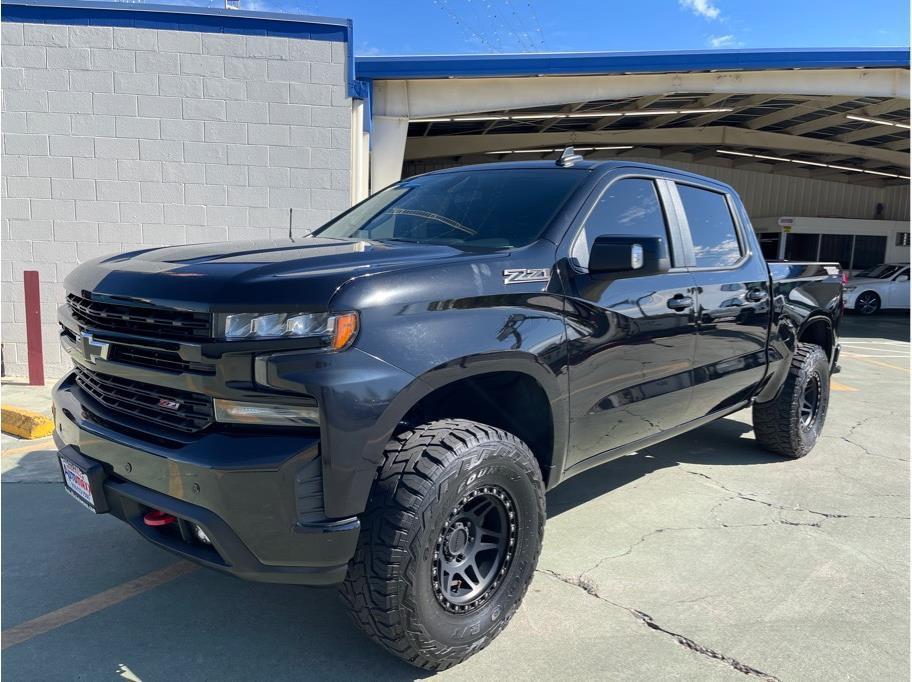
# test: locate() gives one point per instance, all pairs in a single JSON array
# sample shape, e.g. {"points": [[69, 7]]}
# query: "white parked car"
{"points": [[883, 286]]}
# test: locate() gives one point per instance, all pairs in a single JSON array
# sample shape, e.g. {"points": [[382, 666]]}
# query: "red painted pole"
{"points": [[33, 328]]}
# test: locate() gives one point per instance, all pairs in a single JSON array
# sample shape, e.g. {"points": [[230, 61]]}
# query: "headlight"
{"points": [[236, 412], [848, 289], [337, 330]]}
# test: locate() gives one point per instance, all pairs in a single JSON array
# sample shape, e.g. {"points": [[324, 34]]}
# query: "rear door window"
{"points": [[712, 227]]}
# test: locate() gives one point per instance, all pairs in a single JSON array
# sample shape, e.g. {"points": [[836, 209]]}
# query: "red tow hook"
{"points": [[158, 518]]}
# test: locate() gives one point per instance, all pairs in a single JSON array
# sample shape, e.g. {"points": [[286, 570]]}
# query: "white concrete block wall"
{"points": [[117, 139]]}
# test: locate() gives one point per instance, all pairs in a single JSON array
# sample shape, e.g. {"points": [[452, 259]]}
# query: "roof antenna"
{"points": [[290, 214], [568, 157]]}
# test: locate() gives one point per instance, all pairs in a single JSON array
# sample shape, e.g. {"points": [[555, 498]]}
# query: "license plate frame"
{"points": [[83, 479]]}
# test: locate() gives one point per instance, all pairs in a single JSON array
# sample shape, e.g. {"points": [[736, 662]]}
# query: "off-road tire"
{"points": [[778, 424], [389, 590], [868, 303]]}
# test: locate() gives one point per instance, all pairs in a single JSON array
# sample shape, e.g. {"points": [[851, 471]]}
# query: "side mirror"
{"points": [[902, 278], [629, 256]]}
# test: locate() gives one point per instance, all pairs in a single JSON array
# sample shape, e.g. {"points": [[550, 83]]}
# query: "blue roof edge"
{"points": [[185, 18], [606, 63]]}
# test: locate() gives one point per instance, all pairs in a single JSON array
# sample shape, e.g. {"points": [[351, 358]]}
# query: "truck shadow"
{"points": [[718, 443], [208, 626]]}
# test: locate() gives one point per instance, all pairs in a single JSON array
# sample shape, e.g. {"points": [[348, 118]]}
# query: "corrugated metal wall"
{"points": [[769, 195]]}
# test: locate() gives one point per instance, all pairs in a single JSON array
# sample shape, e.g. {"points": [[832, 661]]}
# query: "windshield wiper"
{"points": [[433, 216]]}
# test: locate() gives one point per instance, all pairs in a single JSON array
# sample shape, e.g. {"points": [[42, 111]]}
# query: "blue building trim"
{"points": [[611, 63], [178, 18]]}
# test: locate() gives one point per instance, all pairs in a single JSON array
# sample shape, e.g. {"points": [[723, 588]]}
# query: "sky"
{"points": [[392, 27]]}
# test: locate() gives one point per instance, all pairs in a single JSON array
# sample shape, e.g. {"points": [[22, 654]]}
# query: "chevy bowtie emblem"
{"points": [[92, 349]]}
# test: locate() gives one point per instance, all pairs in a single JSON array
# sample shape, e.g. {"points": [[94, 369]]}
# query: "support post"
{"points": [[33, 328], [387, 150]]}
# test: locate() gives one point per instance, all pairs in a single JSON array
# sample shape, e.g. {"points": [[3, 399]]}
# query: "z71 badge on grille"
{"points": [[523, 275]]}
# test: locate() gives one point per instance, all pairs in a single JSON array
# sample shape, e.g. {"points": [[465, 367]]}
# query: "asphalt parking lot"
{"points": [[702, 558]]}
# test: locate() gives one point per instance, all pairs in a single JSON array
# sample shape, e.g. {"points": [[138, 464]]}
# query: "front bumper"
{"points": [[258, 497]]}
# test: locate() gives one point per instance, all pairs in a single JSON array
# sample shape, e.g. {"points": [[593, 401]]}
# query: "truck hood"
{"points": [[253, 276]]}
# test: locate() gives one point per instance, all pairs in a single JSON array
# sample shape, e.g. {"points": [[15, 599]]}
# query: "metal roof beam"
{"points": [[898, 145], [570, 108], [720, 136], [787, 113], [704, 103], [639, 104], [872, 130], [743, 104], [428, 98], [840, 118]]}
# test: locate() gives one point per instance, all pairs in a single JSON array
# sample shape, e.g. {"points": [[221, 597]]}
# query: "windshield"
{"points": [[490, 209], [880, 271]]}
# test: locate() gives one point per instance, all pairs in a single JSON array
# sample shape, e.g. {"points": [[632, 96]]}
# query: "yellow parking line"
{"points": [[55, 619], [836, 386], [31, 447]]}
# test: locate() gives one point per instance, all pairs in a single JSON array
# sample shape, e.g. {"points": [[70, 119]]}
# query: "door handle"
{"points": [[680, 302], [756, 295]]}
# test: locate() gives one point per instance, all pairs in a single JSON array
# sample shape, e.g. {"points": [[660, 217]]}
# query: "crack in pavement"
{"points": [[847, 438], [736, 495], [590, 588], [865, 450], [749, 498]]}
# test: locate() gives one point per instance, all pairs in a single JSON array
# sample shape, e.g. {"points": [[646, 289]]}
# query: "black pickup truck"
{"points": [[384, 403]]}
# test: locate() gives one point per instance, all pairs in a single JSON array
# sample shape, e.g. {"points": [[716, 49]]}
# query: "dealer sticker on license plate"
{"points": [[77, 483]]}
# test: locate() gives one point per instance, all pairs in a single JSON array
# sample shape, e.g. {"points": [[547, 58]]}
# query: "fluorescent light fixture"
{"points": [[719, 110], [809, 163], [559, 149], [877, 121], [524, 117], [596, 114], [847, 169], [575, 114], [873, 172], [652, 112]]}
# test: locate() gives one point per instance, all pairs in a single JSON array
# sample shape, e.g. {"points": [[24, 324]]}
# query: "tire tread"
{"points": [[776, 422], [376, 590]]}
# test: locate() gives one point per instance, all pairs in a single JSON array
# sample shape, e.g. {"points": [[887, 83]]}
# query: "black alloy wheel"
{"points": [[867, 303], [810, 401], [474, 549], [449, 541]]}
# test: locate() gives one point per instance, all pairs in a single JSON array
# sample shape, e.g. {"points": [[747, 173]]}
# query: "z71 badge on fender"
{"points": [[523, 275]]}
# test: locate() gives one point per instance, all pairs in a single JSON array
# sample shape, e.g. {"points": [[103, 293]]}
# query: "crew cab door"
{"points": [[631, 338], [733, 298]]}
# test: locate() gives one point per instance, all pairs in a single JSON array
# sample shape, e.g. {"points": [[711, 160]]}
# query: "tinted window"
{"points": [[869, 251], [485, 209], [880, 272], [628, 207], [802, 246], [836, 248], [769, 244], [712, 229]]}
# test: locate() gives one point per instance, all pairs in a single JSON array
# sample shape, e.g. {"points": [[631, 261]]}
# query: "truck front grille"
{"points": [[143, 356], [167, 407], [168, 361], [165, 323]]}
